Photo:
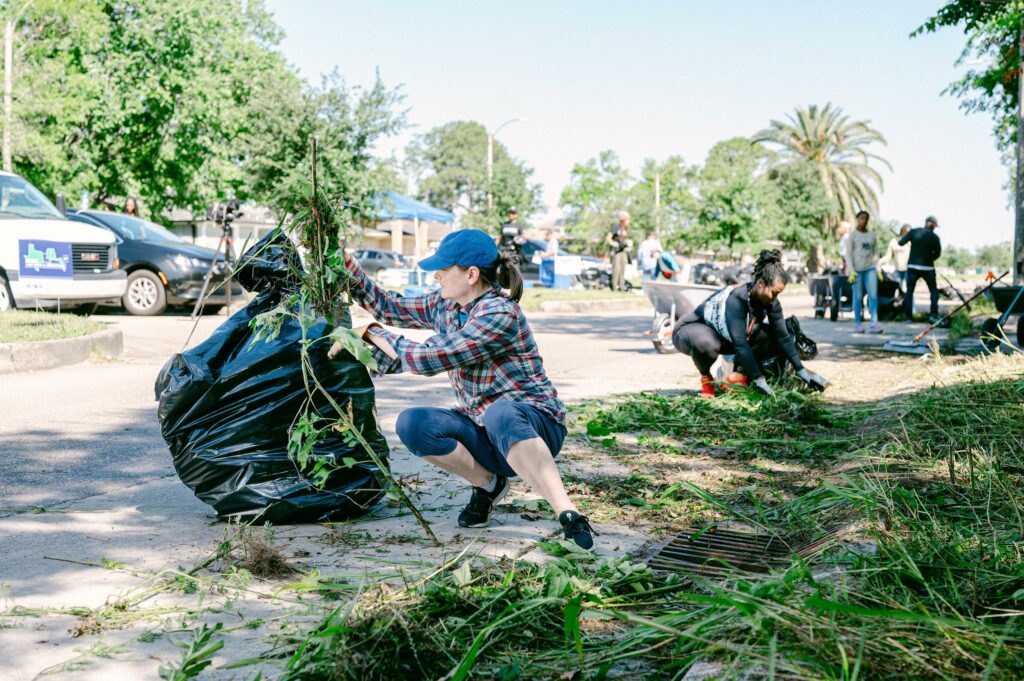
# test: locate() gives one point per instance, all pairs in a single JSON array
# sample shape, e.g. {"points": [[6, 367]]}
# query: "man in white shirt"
{"points": [[647, 255], [551, 249]]}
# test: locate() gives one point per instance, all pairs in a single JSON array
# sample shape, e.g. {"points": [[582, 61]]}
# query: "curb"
{"points": [[60, 352], [613, 305]]}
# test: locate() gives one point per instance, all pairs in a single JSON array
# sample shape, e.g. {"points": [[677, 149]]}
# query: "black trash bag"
{"points": [[226, 409]]}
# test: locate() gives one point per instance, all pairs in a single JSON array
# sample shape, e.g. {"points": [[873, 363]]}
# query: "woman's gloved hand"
{"points": [[881, 277], [852, 278], [813, 380], [762, 385]]}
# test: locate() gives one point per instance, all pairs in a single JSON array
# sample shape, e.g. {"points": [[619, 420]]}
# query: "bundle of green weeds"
{"points": [[502, 620], [790, 425]]}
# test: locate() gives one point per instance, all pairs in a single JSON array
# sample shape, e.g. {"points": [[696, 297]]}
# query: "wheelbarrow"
{"points": [[672, 301], [832, 293], [1009, 300]]}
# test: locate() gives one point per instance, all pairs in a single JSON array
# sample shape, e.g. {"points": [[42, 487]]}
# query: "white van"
{"points": [[47, 260]]}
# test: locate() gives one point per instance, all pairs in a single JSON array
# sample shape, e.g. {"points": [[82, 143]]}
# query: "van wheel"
{"points": [[6, 297], [145, 295]]}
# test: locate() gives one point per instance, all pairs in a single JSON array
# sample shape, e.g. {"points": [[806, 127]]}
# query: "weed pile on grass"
{"points": [[503, 620], [791, 425]]}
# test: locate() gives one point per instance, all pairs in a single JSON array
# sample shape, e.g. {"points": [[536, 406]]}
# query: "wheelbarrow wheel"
{"points": [[661, 334], [833, 311], [991, 334]]}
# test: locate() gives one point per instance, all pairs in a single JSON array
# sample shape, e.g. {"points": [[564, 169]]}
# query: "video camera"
{"points": [[224, 213]]}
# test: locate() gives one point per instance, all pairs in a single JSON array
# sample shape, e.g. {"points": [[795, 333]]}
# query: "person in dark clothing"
{"points": [[511, 240], [744, 322], [925, 249]]}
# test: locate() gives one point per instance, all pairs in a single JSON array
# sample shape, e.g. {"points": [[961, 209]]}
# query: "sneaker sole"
{"points": [[497, 500]]}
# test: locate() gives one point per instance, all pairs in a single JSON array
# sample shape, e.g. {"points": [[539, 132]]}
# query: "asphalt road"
{"points": [[73, 432]]}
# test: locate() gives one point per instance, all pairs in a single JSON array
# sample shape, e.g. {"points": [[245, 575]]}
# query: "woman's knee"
{"points": [[499, 415], [409, 427]]}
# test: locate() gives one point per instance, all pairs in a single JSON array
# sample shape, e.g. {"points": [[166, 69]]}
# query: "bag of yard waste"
{"points": [[227, 407]]}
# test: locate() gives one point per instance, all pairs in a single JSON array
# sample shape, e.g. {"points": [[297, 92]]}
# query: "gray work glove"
{"points": [[762, 385], [813, 380]]}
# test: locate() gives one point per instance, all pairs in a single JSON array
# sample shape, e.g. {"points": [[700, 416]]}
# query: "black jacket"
{"points": [[925, 247], [745, 317]]}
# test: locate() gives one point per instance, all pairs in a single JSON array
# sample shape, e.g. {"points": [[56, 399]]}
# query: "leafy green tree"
{"points": [[678, 199], [597, 190], [280, 121], [835, 145], [737, 201], [996, 257], [993, 43], [450, 162], [801, 201], [957, 258], [178, 103]]}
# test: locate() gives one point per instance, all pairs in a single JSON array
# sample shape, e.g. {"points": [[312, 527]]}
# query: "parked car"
{"points": [[49, 261], [162, 269], [373, 260], [596, 273]]}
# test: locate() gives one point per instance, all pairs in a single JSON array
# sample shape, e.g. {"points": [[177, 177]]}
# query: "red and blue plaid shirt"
{"points": [[487, 347]]}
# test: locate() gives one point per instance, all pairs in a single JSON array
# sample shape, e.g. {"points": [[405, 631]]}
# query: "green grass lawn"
{"points": [[19, 326], [533, 297]]}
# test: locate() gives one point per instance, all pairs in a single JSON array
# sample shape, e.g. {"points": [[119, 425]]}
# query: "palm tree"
{"points": [[836, 146]]}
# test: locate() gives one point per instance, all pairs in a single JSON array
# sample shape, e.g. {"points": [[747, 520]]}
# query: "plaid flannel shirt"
{"points": [[491, 355]]}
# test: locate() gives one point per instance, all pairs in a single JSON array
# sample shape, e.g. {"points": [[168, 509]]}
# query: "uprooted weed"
{"points": [[792, 425], [259, 555]]}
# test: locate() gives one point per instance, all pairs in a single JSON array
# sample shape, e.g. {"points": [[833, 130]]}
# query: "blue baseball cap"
{"points": [[465, 248]]}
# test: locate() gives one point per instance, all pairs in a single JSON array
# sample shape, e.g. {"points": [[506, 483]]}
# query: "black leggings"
{"points": [[704, 345]]}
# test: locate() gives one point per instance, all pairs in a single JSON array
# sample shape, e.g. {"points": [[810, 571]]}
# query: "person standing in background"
{"points": [[131, 207], [551, 244], [619, 245], [899, 256], [843, 245], [862, 256], [647, 256], [925, 249]]}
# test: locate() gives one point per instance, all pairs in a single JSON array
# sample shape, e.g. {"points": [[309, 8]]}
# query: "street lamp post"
{"points": [[8, 77], [490, 160]]}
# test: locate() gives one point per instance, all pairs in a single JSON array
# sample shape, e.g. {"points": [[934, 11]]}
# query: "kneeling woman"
{"points": [[743, 323], [509, 420]]}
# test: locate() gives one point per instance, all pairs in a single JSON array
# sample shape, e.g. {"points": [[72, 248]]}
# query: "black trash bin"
{"points": [[226, 408]]}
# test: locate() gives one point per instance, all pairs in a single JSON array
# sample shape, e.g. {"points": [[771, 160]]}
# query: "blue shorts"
{"points": [[428, 431]]}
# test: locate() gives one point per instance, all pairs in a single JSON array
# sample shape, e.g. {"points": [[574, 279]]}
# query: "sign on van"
{"points": [[38, 258]]}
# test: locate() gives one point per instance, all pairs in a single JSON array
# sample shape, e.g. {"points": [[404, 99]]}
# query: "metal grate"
{"points": [[89, 258], [717, 551]]}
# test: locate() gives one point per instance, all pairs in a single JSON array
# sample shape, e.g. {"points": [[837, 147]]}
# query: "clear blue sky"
{"points": [[658, 78]]}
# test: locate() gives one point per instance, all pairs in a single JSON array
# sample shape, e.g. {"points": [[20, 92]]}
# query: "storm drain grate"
{"points": [[717, 551]]}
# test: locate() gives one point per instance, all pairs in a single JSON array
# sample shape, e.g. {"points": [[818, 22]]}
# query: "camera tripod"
{"points": [[227, 244]]}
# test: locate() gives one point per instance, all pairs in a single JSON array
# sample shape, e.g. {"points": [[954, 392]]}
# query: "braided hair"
{"points": [[768, 269]]}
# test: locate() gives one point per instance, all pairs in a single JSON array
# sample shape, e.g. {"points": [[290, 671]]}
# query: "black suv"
{"points": [[163, 269]]}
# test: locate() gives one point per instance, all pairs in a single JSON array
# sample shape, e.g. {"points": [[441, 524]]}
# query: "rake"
{"points": [[914, 346]]}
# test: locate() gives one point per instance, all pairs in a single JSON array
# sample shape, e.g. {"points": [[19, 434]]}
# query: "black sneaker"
{"points": [[478, 511], [577, 528]]}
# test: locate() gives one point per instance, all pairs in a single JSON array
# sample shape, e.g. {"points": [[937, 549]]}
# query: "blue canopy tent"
{"points": [[392, 206], [399, 217]]}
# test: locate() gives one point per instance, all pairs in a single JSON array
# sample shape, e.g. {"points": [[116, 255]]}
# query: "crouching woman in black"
{"points": [[742, 324]]}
